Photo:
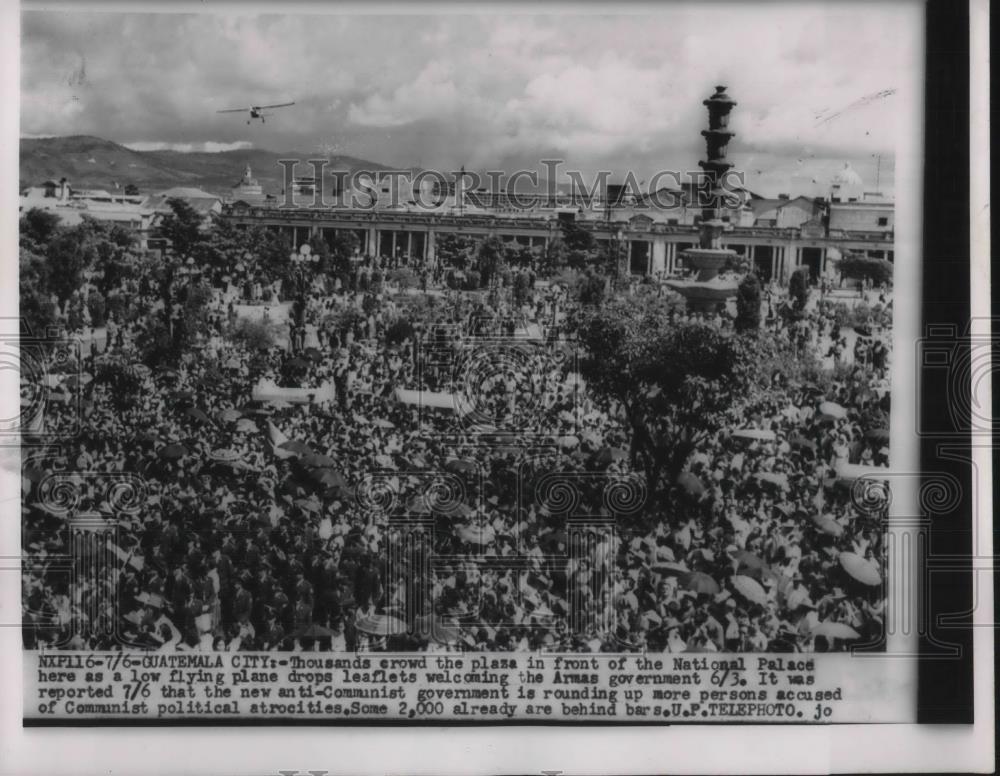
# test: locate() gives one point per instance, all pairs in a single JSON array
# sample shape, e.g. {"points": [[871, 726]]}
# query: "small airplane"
{"points": [[257, 111]]}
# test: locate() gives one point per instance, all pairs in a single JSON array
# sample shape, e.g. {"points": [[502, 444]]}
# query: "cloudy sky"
{"points": [[817, 86]]}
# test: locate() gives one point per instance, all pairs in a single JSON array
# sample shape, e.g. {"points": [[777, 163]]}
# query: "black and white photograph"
{"points": [[440, 367]]}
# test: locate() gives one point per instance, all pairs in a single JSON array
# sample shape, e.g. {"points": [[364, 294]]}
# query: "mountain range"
{"points": [[94, 163]]}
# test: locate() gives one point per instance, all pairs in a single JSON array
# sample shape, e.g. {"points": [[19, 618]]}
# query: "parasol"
{"points": [[417, 506], [832, 410], [878, 435], [225, 456], [173, 452], [750, 564], [432, 629], [864, 571], [470, 534], [828, 525], [197, 414], [150, 599], [309, 504], [313, 631], [775, 479], [835, 630], [754, 433], [460, 466], [700, 582], [749, 589], [33, 474], [380, 625], [297, 447], [383, 423], [328, 478], [690, 484], [668, 569], [246, 426], [606, 455], [799, 442], [317, 460], [230, 416], [81, 379]]}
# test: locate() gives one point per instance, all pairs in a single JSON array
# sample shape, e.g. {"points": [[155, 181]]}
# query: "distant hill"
{"points": [[91, 162]]}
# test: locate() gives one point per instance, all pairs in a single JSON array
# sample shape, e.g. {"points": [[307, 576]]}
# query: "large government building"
{"points": [[778, 235]]}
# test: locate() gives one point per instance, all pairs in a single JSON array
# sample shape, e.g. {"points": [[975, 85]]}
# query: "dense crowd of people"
{"points": [[420, 499]]}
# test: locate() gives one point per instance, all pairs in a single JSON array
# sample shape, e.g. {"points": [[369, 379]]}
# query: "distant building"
{"points": [[864, 216], [785, 212], [248, 190], [846, 186], [72, 205], [202, 201]]}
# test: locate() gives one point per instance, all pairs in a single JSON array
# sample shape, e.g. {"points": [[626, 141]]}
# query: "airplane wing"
{"points": [[282, 105], [234, 110]]}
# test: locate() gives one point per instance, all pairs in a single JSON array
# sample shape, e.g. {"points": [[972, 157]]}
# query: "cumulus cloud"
{"points": [[614, 91], [208, 146]]}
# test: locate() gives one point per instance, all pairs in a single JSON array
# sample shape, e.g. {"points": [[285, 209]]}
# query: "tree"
{"points": [[96, 307], [489, 259], [131, 190], [399, 331], [798, 288], [591, 290], [342, 250], [403, 277], [253, 335], [576, 237], [521, 288], [38, 312], [454, 250], [68, 256], [553, 257], [860, 267], [182, 227], [123, 384], [196, 298], [748, 304], [517, 255], [39, 226], [676, 383]]}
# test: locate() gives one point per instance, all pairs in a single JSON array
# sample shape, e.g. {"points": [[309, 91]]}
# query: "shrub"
{"points": [[97, 308], [404, 278], [398, 331], [748, 304], [798, 287], [859, 267], [253, 335], [591, 290]]}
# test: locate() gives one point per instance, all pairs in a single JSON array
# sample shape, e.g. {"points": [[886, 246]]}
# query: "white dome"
{"points": [[847, 177]]}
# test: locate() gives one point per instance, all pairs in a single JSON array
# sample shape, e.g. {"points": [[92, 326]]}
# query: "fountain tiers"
{"points": [[708, 291]]}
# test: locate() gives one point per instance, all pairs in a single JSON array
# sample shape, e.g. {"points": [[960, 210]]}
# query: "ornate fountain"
{"points": [[709, 291]]}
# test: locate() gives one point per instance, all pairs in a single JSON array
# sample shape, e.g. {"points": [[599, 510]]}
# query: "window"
{"points": [[883, 221]]}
